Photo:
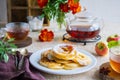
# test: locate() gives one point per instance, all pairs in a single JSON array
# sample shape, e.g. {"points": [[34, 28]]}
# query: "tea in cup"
{"points": [[17, 30], [115, 58]]}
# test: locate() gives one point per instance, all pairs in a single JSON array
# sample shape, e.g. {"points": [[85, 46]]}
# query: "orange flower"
{"points": [[46, 35], [77, 9], [74, 6]]}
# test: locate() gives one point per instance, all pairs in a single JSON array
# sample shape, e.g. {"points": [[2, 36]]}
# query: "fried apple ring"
{"points": [[82, 59], [71, 65], [64, 51], [51, 57], [49, 63], [62, 61]]}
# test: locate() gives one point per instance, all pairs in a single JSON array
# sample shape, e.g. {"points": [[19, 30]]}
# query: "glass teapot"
{"points": [[83, 25]]}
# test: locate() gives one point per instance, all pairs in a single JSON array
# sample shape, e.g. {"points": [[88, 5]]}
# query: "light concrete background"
{"points": [[108, 9]]}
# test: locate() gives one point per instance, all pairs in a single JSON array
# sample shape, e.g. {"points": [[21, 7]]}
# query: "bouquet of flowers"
{"points": [[56, 9]]}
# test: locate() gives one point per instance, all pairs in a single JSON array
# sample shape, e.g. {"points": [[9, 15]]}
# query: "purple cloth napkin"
{"points": [[9, 71]]}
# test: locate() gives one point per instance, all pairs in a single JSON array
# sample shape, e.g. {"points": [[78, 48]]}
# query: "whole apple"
{"points": [[101, 48], [115, 37]]}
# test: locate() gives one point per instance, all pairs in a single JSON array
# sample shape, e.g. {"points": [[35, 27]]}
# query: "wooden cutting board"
{"points": [[112, 75]]}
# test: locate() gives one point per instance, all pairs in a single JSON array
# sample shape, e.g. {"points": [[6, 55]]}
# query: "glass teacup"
{"points": [[115, 58], [17, 30]]}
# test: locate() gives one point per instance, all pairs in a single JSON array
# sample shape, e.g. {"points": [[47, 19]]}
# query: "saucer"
{"points": [[23, 43]]}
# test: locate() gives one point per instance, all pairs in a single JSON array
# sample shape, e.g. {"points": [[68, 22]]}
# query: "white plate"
{"points": [[35, 57]]}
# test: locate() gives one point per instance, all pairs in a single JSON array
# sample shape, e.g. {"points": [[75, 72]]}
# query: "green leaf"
{"points": [[1, 50], [76, 0], [10, 40], [1, 42], [0, 57], [12, 45], [6, 58], [6, 48]]}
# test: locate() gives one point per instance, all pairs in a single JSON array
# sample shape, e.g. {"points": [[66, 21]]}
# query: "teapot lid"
{"points": [[84, 15]]}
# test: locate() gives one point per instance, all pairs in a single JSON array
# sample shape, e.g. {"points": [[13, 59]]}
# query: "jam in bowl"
{"points": [[84, 27]]}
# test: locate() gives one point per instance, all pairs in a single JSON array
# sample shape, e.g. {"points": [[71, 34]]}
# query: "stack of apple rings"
{"points": [[49, 63], [64, 51], [63, 56]]}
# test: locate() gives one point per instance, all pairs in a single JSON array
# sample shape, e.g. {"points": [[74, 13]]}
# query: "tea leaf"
{"points": [[6, 58], [6, 48], [1, 58], [1, 43], [12, 45], [11, 40]]}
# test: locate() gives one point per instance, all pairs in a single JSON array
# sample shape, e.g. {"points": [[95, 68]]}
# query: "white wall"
{"points": [[108, 9]]}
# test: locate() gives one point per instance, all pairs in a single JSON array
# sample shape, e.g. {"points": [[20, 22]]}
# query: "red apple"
{"points": [[113, 38], [101, 48]]}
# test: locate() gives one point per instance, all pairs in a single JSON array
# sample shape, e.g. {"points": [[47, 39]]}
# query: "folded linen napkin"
{"points": [[9, 71]]}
